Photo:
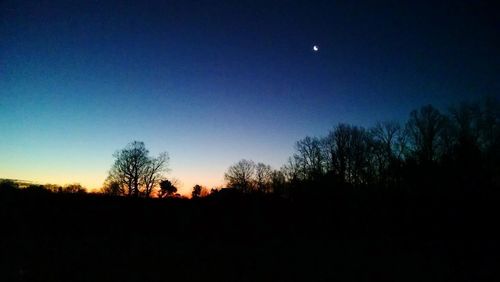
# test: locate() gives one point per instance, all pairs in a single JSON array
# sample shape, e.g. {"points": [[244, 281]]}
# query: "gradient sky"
{"points": [[212, 82]]}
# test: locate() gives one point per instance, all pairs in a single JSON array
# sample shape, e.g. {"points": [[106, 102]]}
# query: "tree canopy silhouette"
{"points": [[199, 191], [136, 173], [240, 175], [432, 147], [167, 189]]}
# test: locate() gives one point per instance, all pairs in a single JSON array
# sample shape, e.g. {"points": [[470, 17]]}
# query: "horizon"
{"points": [[213, 83]]}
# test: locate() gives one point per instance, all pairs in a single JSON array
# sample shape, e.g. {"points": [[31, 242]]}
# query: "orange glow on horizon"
{"points": [[94, 183]]}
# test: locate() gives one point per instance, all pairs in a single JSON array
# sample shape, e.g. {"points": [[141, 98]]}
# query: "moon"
{"points": [[315, 48]]}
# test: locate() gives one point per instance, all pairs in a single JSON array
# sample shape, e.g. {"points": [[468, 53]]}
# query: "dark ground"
{"points": [[339, 237]]}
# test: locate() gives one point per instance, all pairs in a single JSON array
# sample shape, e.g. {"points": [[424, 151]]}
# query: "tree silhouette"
{"points": [[388, 148], [347, 151], [167, 189], [463, 145], [199, 191], [240, 175], [196, 191], [112, 188], [336, 150], [135, 171], [425, 126], [153, 172], [387, 137], [278, 182], [309, 157], [8, 185], [263, 177], [291, 170], [73, 189]]}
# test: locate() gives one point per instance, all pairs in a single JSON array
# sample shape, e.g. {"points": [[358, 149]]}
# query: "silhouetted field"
{"points": [[343, 235]]}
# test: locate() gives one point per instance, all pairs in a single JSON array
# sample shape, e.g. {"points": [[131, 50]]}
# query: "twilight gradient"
{"points": [[212, 82]]}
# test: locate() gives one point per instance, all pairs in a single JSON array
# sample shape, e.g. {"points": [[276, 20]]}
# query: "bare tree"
{"points": [[388, 145], [309, 157], [153, 172], [135, 171], [278, 182], [425, 127], [241, 175], [360, 156], [347, 151], [387, 134], [339, 150], [263, 177], [489, 125], [291, 170]]}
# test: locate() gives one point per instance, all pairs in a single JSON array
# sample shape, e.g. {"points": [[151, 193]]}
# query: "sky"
{"points": [[212, 82]]}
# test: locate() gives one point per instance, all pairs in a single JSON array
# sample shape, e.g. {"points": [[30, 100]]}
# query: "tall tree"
{"points": [[489, 125], [348, 153], [309, 157], [263, 177], [425, 126], [278, 182], [386, 133], [136, 171], [339, 150], [360, 156], [291, 170], [388, 145], [241, 175]]}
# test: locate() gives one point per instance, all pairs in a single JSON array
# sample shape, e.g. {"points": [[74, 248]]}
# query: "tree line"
{"points": [[9, 185], [459, 148]]}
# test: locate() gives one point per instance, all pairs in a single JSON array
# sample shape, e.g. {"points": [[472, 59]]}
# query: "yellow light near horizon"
{"points": [[93, 180]]}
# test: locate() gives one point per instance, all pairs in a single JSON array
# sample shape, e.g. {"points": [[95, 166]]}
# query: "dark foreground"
{"points": [[339, 237]]}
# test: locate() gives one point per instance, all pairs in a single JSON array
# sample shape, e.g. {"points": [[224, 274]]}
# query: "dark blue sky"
{"points": [[212, 82]]}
